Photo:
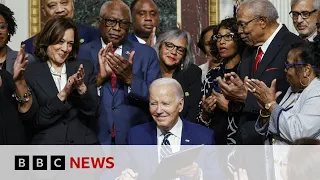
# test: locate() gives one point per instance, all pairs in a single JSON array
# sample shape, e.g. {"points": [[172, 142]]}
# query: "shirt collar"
{"points": [[266, 44], [310, 38], [53, 71], [141, 41], [104, 44], [176, 130]]}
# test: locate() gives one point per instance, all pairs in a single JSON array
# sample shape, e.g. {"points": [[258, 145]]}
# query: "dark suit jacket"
{"points": [[11, 128], [132, 37], [271, 67], [11, 58], [192, 134], [57, 122], [86, 35], [190, 80], [125, 109]]}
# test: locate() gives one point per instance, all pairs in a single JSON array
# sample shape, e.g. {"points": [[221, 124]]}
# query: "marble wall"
{"points": [[87, 12]]}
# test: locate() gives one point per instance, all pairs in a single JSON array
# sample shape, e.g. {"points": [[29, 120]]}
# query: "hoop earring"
{"points": [[304, 84]]}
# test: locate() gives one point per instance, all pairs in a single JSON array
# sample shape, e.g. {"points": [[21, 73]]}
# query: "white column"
{"points": [[284, 7], [20, 10]]}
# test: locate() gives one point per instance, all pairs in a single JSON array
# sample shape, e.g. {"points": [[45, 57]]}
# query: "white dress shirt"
{"points": [[266, 44], [174, 139], [60, 79]]}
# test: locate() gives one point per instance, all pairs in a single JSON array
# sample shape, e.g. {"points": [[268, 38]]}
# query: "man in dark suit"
{"points": [[166, 102], [145, 21], [123, 75], [264, 59], [64, 8]]}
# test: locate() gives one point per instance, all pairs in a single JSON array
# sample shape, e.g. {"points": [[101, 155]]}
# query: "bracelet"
{"points": [[25, 98], [264, 115]]}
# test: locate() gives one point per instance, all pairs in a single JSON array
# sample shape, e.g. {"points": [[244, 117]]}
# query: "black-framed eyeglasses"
{"points": [[288, 65], [170, 46], [3, 26], [244, 24], [226, 37], [113, 22], [304, 14]]}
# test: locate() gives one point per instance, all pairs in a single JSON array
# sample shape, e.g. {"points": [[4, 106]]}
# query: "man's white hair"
{"points": [[169, 82], [109, 2]]}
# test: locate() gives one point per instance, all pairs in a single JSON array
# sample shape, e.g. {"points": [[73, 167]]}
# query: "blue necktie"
{"points": [[165, 149]]}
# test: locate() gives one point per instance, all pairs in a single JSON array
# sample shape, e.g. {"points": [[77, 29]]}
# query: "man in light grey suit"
{"points": [[8, 28]]}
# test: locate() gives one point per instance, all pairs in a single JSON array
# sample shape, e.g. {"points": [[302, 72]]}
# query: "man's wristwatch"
{"points": [[268, 105]]}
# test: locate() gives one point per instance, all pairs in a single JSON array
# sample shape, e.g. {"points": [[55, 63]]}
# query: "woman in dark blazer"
{"points": [[177, 61], [11, 127], [64, 94]]}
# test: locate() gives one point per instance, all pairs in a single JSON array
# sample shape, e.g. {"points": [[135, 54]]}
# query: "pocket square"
{"points": [[270, 69]]}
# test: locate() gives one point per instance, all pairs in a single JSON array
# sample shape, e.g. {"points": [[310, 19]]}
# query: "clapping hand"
{"points": [[79, 80], [150, 40], [121, 67], [20, 64], [261, 91], [233, 87], [221, 100], [104, 69]]}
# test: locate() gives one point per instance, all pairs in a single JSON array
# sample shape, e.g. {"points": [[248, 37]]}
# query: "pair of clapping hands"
{"points": [[192, 172], [110, 62], [234, 89]]}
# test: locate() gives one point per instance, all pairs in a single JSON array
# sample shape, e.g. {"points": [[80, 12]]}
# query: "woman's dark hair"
{"points": [[309, 53], [52, 33], [7, 14], [201, 41], [231, 24]]}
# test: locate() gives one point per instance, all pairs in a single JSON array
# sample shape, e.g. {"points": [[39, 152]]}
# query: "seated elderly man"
{"points": [[166, 102]]}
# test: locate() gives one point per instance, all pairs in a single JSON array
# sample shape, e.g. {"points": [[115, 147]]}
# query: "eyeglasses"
{"points": [[170, 46], [3, 26], [226, 37], [287, 65], [244, 24], [113, 22], [304, 14]]}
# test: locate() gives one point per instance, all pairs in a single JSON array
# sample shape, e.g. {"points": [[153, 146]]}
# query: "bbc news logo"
{"points": [[40, 162]]}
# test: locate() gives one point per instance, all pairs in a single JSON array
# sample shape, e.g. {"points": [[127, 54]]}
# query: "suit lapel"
{"points": [[10, 59], [126, 50], [271, 52], [185, 136], [45, 80], [71, 68], [153, 134]]}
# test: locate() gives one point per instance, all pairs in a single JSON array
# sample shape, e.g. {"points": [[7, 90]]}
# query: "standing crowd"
{"points": [[74, 84]]}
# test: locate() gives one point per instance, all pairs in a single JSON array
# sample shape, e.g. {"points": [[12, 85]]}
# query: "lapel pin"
{"points": [[186, 94], [187, 140], [127, 52], [81, 40]]}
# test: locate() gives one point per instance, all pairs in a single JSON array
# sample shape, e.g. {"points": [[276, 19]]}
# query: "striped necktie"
{"points": [[165, 149]]}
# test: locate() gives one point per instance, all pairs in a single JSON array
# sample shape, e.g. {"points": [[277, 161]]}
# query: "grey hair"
{"points": [[315, 3], [188, 58], [262, 8], [169, 82], [111, 2]]}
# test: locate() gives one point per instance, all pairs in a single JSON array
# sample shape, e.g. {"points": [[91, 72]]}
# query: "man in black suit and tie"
{"points": [[268, 45]]}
